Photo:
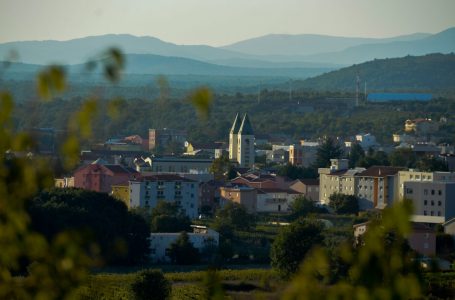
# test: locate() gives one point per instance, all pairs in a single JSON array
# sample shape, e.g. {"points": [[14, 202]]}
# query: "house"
{"points": [[210, 150], [422, 239], [241, 194], [304, 154], [260, 180], [449, 226], [275, 199], [146, 191], [64, 182], [160, 243], [100, 177], [306, 187]]}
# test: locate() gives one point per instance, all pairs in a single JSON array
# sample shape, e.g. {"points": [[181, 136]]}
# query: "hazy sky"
{"points": [[220, 22]]}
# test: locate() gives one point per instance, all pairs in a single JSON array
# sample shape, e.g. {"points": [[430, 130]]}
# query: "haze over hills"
{"points": [[271, 51], [433, 72], [307, 44]]}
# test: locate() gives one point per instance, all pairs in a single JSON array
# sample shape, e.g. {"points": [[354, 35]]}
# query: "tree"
{"points": [[355, 155], [344, 204], [182, 251], [234, 215], [327, 150], [431, 164], [302, 206], [221, 168], [151, 285], [295, 172], [169, 217], [122, 236], [403, 158], [292, 244]]}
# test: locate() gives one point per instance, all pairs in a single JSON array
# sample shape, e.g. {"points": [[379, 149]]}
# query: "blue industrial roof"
{"points": [[399, 97]]}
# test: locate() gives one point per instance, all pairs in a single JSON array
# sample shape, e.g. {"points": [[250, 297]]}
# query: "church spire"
{"points": [[245, 128], [235, 127]]}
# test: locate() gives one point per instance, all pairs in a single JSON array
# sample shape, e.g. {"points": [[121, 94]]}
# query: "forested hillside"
{"points": [[433, 72], [308, 115]]}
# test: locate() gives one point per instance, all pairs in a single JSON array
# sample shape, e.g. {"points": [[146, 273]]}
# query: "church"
{"points": [[241, 142]]}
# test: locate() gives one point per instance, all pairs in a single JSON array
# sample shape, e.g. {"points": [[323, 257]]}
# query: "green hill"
{"points": [[432, 72]]}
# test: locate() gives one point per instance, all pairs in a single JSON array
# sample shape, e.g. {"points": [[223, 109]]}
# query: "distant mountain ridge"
{"points": [[270, 51], [432, 72]]}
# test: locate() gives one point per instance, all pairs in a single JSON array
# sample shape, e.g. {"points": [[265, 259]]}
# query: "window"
{"points": [[432, 213], [439, 192], [408, 191], [425, 202], [439, 203], [439, 213], [424, 212], [432, 192], [432, 203]]}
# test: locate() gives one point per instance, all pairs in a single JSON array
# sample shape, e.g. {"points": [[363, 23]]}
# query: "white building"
{"points": [[275, 199], [148, 190], [160, 243]]}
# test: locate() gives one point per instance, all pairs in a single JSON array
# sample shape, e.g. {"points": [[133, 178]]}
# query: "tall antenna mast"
{"points": [[290, 90], [357, 88]]}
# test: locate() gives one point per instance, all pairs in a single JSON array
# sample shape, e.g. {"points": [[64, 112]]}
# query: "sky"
{"points": [[220, 22]]}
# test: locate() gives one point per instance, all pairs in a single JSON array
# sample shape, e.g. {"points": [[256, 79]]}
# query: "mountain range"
{"points": [[270, 51]]}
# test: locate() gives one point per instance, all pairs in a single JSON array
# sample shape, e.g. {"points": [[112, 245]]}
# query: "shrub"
{"points": [[150, 285]]}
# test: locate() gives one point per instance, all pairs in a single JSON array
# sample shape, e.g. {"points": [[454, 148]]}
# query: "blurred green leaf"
{"points": [[202, 99], [51, 81], [114, 107]]}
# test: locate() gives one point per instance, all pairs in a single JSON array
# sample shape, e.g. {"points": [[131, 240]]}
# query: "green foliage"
{"points": [[51, 81], [235, 216], [344, 204], [327, 150], [120, 235], [292, 244], [403, 158], [381, 267], [301, 207], [212, 286], [431, 164], [169, 217], [221, 168], [182, 251], [295, 172], [355, 155], [373, 158], [151, 285]]}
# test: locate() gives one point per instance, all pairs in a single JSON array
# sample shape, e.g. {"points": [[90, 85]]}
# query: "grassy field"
{"points": [[238, 284]]}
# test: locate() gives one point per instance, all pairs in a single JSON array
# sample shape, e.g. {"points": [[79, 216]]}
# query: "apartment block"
{"points": [[147, 191]]}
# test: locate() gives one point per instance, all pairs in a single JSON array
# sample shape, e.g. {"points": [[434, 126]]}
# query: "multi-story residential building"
{"points": [[100, 177], [376, 186], [418, 176], [337, 179], [146, 191], [244, 195], [433, 201], [160, 243], [209, 195], [241, 142], [306, 187], [159, 139]]}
